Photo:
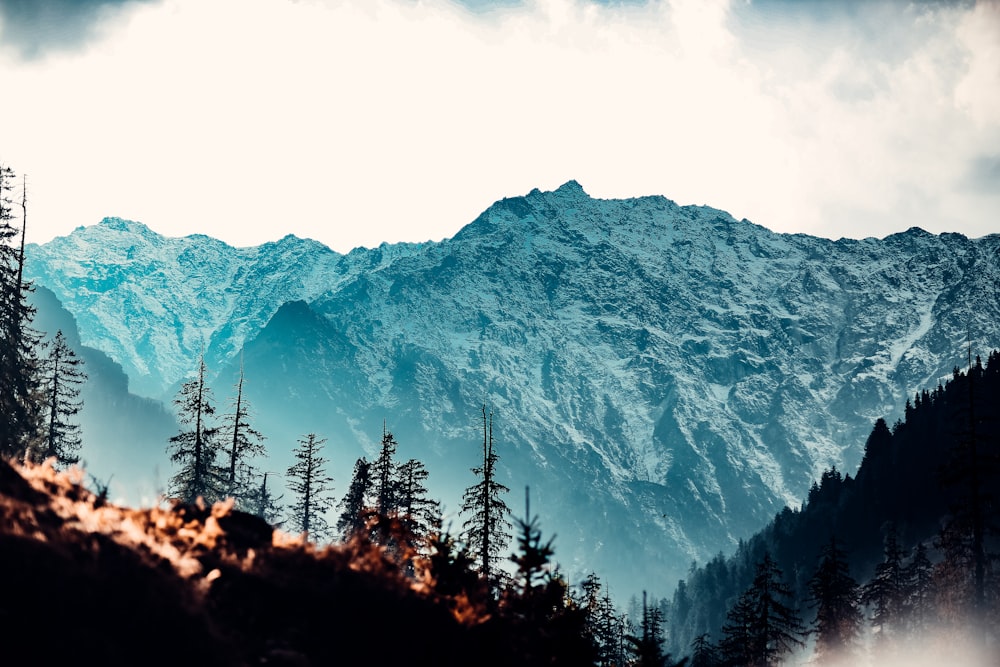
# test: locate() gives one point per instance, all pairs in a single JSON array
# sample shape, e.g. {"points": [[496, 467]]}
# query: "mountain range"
{"points": [[664, 378]]}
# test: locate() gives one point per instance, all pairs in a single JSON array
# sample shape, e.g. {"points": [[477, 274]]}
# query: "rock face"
{"points": [[665, 378], [154, 303]]}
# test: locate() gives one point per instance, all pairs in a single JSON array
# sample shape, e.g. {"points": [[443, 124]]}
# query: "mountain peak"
{"points": [[571, 187], [123, 225]]}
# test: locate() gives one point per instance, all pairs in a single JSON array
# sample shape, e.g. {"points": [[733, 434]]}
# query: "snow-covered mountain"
{"points": [[154, 303], [665, 378]]}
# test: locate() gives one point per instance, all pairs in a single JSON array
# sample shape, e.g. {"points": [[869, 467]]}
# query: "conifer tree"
{"points": [[604, 623], [384, 476], [972, 471], [262, 503], [648, 645], [760, 628], [60, 378], [487, 530], [242, 442], [738, 641], [19, 400], [354, 515], [918, 595], [833, 592], [451, 568], [312, 488], [533, 557], [196, 447], [703, 652], [546, 626], [419, 514], [884, 592]]}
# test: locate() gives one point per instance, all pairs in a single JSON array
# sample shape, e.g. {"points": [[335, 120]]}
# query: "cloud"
{"points": [[35, 27], [984, 174], [385, 120]]}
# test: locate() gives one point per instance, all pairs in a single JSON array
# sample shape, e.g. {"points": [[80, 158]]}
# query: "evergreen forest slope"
{"points": [[913, 490]]}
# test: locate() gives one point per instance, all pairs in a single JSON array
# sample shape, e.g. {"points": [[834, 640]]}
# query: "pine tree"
{"points": [[738, 639], [884, 592], [384, 476], [262, 503], [196, 448], [355, 509], [20, 406], [312, 488], [546, 626], [450, 567], [243, 441], [60, 380], [760, 628], [487, 530], [972, 471], [648, 645], [604, 624], [918, 590], [833, 592], [418, 514], [533, 558], [703, 652]]}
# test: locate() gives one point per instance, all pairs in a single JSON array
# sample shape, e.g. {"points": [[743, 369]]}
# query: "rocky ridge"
{"points": [[664, 377]]}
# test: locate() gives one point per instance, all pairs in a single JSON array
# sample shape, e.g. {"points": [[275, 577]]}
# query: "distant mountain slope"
{"points": [[664, 377], [123, 434], [906, 481], [154, 303]]}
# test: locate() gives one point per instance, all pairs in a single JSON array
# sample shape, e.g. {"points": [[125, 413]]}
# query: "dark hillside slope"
{"points": [[910, 480], [92, 582]]}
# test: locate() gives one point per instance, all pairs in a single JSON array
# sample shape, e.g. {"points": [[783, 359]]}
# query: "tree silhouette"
{"points": [[703, 652], [196, 447], [487, 529], [262, 503], [761, 628], [972, 471], [884, 591], [312, 488], [546, 627], [242, 442], [648, 645], [533, 557], [605, 625], [384, 476], [418, 514], [19, 402], [833, 592], [918, 591], [60, 378], [354, 515]]}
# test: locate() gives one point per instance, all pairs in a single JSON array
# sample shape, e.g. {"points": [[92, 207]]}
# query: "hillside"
{"points": [[915, 479], [111, 585]]}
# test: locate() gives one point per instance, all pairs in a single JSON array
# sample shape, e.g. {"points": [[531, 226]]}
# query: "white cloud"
{"points": [[358, 122]]}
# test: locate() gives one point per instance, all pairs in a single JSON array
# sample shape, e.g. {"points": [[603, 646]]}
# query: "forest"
{"points": [[223, 571]]}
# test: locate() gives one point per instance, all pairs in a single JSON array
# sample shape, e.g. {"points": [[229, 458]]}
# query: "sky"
{"points": [[356, 122]]}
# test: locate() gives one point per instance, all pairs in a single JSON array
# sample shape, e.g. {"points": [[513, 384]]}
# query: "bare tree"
{"points": [[243, 442]]}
